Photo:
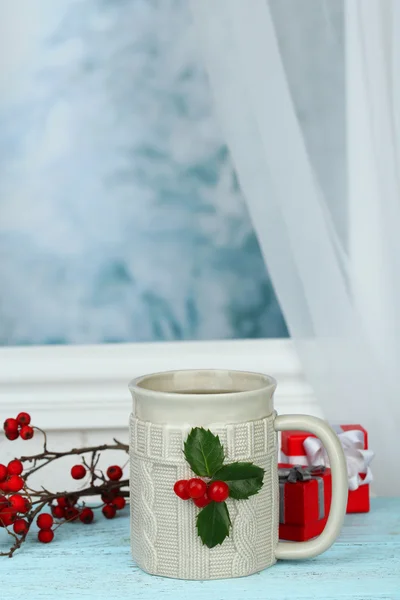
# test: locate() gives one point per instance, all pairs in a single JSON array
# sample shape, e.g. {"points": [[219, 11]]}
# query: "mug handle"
{"points": [[299, 550]]}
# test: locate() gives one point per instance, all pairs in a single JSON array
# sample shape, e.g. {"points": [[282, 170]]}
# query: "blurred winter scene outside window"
{"points": [[121, 218]]}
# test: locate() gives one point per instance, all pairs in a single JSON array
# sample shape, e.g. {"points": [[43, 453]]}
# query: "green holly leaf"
{"points": [[204, 452], [244, 479], [213, 523]]}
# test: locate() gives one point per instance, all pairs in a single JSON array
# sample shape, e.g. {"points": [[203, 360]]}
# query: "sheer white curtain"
{"points": [[308, 96]]}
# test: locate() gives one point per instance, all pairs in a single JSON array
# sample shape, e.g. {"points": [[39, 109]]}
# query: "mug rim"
{"points": [[270, 383]]}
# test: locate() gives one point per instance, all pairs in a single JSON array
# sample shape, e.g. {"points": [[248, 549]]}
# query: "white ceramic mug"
{"points": [[238, 406]]}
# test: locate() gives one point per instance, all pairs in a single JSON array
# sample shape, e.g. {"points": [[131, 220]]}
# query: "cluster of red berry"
{"points": [[67, 509], [112, 499], [201, 492], [45, 523], [16, 509], [12, 504], [19, 427]]}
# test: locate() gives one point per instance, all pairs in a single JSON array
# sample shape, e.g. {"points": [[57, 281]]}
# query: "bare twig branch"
{"points": [[40, 498], [48, 456]]}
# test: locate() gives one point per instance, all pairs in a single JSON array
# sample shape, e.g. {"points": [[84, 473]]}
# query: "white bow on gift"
{"points": [[357, 458]]}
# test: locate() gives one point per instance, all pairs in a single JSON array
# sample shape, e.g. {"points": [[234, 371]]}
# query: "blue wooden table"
{"points": [[93, 562]]}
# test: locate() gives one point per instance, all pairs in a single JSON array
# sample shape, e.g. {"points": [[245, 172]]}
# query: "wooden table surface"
{"points": [[94, 561]]}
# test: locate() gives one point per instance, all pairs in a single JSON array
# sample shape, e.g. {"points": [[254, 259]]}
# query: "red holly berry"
{"points": [[196, 487], [218, 491], [45, 536], [15, 483], [3, 502], [119, 502], [86, 516], [4, 486], [203, 501], [71, 513], [10, 425], [58, 512], [15, 467], [3, 473], [109, 511], [23, 418], [12, 435], [19, 503], [114, 473], [45, 521], [7, 517], [78, 472], [26, 432], [21, 527], [181, 489]]}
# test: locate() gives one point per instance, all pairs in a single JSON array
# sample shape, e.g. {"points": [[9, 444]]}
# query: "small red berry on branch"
{"points": [[45, 521], [58, 512], [23, 418], [108, 496], [3, 487], [15, 483], [3, 473], [114, 473], [109, 511], [15, 467], [21, 527], [7, 517], [119, 502], [78, 472], [26, 432], [10, 425], [71, 513], [12, 435], [19, 503], [86, 516], [66, 501], [45, 536]]}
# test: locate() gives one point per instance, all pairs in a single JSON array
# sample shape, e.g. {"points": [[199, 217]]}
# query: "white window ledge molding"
{"points": [[85, 387]]}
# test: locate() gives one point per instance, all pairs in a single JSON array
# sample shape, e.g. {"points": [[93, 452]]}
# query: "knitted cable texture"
{"points": [[164, 537]]}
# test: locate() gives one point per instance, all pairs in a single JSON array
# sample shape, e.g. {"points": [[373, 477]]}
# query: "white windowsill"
{"points": [[85, 387]]}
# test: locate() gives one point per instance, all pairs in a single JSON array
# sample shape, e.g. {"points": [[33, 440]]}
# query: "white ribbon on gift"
{"points": [[358, 459]]}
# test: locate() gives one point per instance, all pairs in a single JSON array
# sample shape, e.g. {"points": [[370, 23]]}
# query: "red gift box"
{"points": [[303, 505], [358, 500], [293, 452]]}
